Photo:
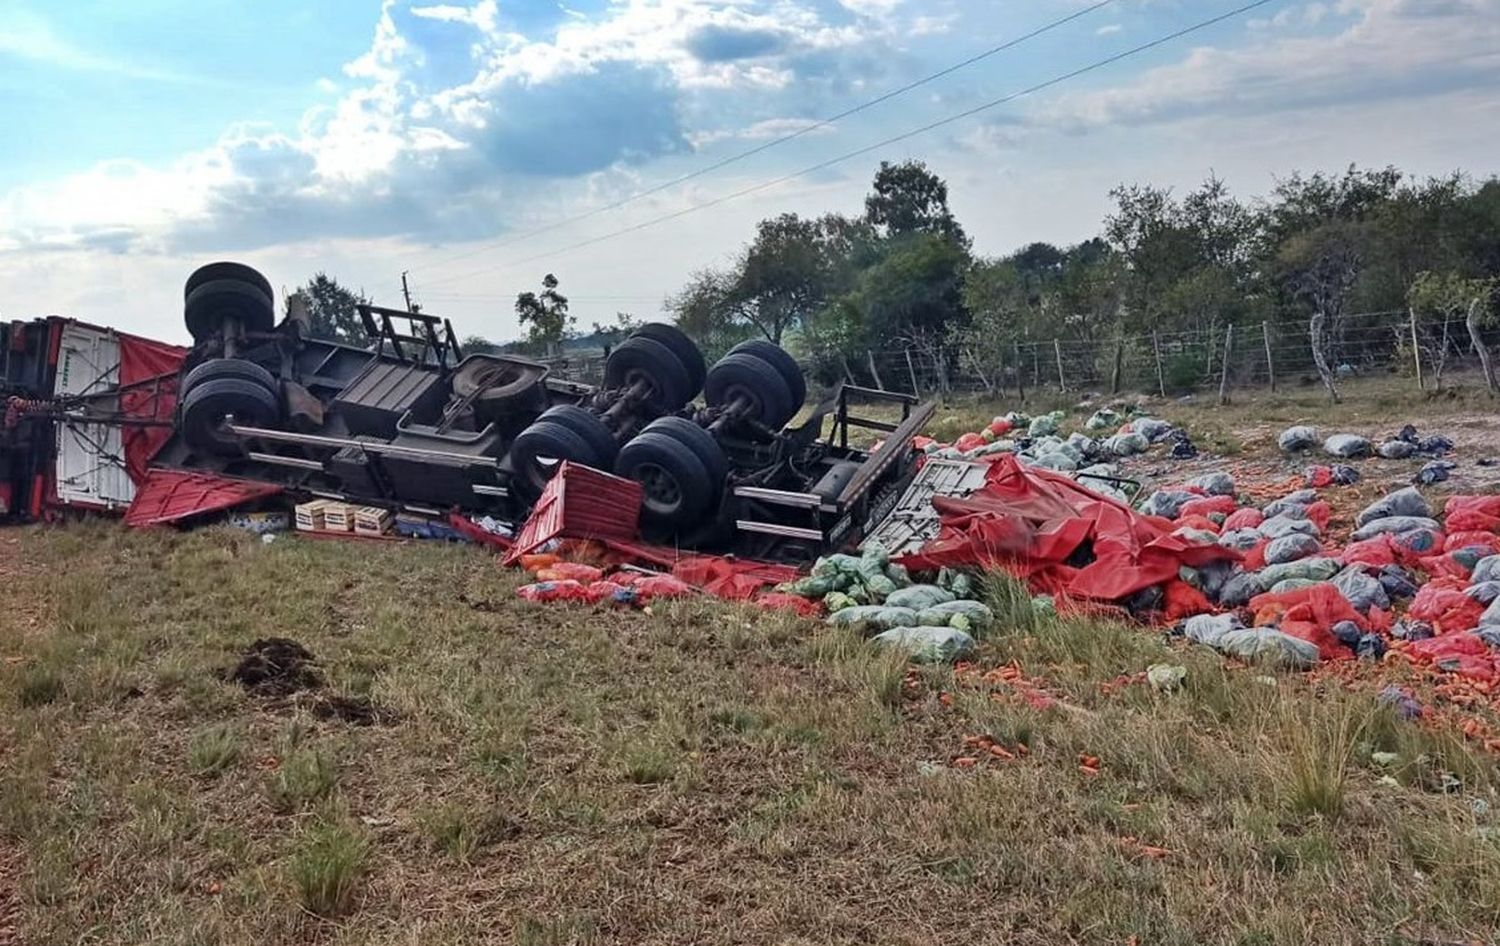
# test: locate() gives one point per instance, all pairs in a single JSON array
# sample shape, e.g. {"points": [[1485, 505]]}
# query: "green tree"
{"points": [[478, 345], [1320, 267], [906, 199], [1445, 297], [332, 311], [545, 314]]}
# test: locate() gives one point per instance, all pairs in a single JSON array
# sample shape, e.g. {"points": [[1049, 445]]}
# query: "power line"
{"points": [[895, 139], [775, 142]]}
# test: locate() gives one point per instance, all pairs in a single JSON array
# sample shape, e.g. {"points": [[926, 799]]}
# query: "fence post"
{"points": [[875, 372], [1062, 382], [1224, 367], [1265, 333], [911, 369], [1114, 379], [1416, 349], [1161, 378], [1020, 370]]}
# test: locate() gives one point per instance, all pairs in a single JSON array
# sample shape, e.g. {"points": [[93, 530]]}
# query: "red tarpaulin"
{"points": [[1030, 522], [171, 495], [152, 368]]}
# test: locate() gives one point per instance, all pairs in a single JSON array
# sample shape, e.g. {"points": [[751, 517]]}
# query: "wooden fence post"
{"points": [[1224, 367], [1062, 382], [874, 371], [1416, 349], [1265, 333], [911, 369], [1161, 378], [1114, 379]]}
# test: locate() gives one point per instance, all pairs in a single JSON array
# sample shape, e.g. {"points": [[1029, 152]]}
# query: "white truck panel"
{"points": [[90, 457]]}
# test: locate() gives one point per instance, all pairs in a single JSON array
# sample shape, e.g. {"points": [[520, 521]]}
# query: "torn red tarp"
{"points": [[148, 375], [1030, 522], [173, 495]]}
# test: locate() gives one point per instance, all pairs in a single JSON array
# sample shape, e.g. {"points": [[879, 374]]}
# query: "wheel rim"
{"points": [[663, 495]]}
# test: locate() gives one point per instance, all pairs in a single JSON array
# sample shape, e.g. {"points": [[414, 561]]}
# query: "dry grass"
{"points": [[706, 774]]}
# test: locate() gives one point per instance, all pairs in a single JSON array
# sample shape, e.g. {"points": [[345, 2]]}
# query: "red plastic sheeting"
{"points": [[141, 361], [172, 495], [734, 579], [580, 502], [1030, 521]]}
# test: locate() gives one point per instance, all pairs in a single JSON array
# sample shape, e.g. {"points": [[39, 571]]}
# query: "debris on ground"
{"points": [[276, 666]]}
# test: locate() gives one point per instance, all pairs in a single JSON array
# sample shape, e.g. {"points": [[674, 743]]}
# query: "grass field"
{"points": [[474, 768]]}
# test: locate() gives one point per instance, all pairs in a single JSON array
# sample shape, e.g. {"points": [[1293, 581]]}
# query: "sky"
{"points": [[479, 146]]}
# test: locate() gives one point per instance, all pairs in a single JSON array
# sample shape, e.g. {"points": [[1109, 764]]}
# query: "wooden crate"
{"points": [[338, 517], [372, 520], [310, 516]]}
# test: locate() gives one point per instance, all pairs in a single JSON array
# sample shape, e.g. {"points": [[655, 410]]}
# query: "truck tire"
{"points": [[638, 359], [679, 490], [239, 272], [212, 304], [588, 426], [537, 454], [229, 368], [683, 347], [208, 404], [781, 361], [745, 377], [695, 438]]}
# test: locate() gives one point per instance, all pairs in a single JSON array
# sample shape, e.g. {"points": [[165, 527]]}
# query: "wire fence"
{"points": [[1219, 358], [1224, 358]]}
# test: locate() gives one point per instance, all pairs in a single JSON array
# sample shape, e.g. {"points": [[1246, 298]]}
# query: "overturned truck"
{"points": [[410, 421]]}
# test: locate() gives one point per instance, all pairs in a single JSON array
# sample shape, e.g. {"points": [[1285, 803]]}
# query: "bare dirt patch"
{"points": [[276, 666]]}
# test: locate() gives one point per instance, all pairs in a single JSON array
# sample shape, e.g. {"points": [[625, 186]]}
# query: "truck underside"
{"points": [[409, 422]]}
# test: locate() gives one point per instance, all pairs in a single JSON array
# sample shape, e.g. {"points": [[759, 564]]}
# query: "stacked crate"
{"points": [[372, 520]]}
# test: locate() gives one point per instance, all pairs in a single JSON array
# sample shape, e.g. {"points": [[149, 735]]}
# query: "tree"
{"points": [[783, 276], [544, 315], [611, 334], [1320, 268], [478, 345], [1448, 295], [909, 199], [1157, 249], [332, 310]]}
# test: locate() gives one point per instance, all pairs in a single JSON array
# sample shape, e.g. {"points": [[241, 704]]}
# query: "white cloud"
{"points": [[28, 36], [1387, 49], [1108, 29], [768, 129]]}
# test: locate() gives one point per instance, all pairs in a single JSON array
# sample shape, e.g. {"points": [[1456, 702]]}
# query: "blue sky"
{"points": [[367, 138]]}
